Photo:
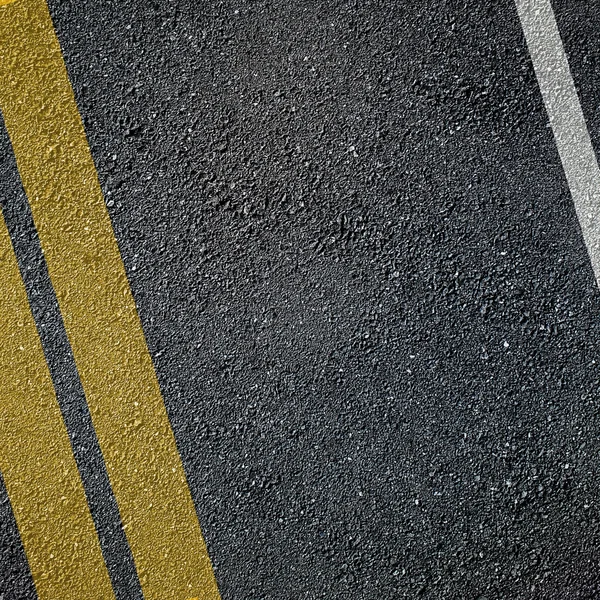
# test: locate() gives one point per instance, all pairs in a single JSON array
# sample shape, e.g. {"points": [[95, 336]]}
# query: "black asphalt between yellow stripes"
{"points": [[99, 312], [36, 459]]}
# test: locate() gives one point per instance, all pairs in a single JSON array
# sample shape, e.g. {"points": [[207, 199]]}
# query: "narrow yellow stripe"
{"points": [[36, 458], [99, 312]]}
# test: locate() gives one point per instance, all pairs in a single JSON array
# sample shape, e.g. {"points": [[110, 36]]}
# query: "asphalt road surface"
{"points": [[363, 284]]}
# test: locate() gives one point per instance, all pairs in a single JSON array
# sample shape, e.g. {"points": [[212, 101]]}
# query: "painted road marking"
{"points": [[566, 117], [36, 458], [98, 309]]}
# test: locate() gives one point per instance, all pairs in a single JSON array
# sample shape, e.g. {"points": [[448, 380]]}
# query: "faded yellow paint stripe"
{"points": [[36, 458], [98, 309]]}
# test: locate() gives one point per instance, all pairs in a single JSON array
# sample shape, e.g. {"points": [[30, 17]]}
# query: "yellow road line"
{"points": [[98, 309], [36, 458]]}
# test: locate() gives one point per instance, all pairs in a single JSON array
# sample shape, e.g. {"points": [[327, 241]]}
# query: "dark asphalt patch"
{"points": [[15, 577], [363, 284]]}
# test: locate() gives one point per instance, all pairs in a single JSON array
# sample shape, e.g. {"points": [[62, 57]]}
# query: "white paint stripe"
{"points": [[566, 118]]}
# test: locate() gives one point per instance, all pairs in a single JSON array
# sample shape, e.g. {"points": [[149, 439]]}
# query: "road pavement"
{"points": [[363, 284]]}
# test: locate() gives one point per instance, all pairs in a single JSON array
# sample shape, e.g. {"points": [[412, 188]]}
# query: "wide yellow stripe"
{"points": [[36, 458], [99, 312]]}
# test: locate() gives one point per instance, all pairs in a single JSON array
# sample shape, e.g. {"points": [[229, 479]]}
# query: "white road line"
{"points": [[566, 118]]}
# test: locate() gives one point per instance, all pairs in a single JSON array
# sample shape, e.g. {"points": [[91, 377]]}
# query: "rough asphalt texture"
{"points": [[361, 278]]}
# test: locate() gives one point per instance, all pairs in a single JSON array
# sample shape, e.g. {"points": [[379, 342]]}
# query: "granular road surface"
{"points": [[362, 281]]}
